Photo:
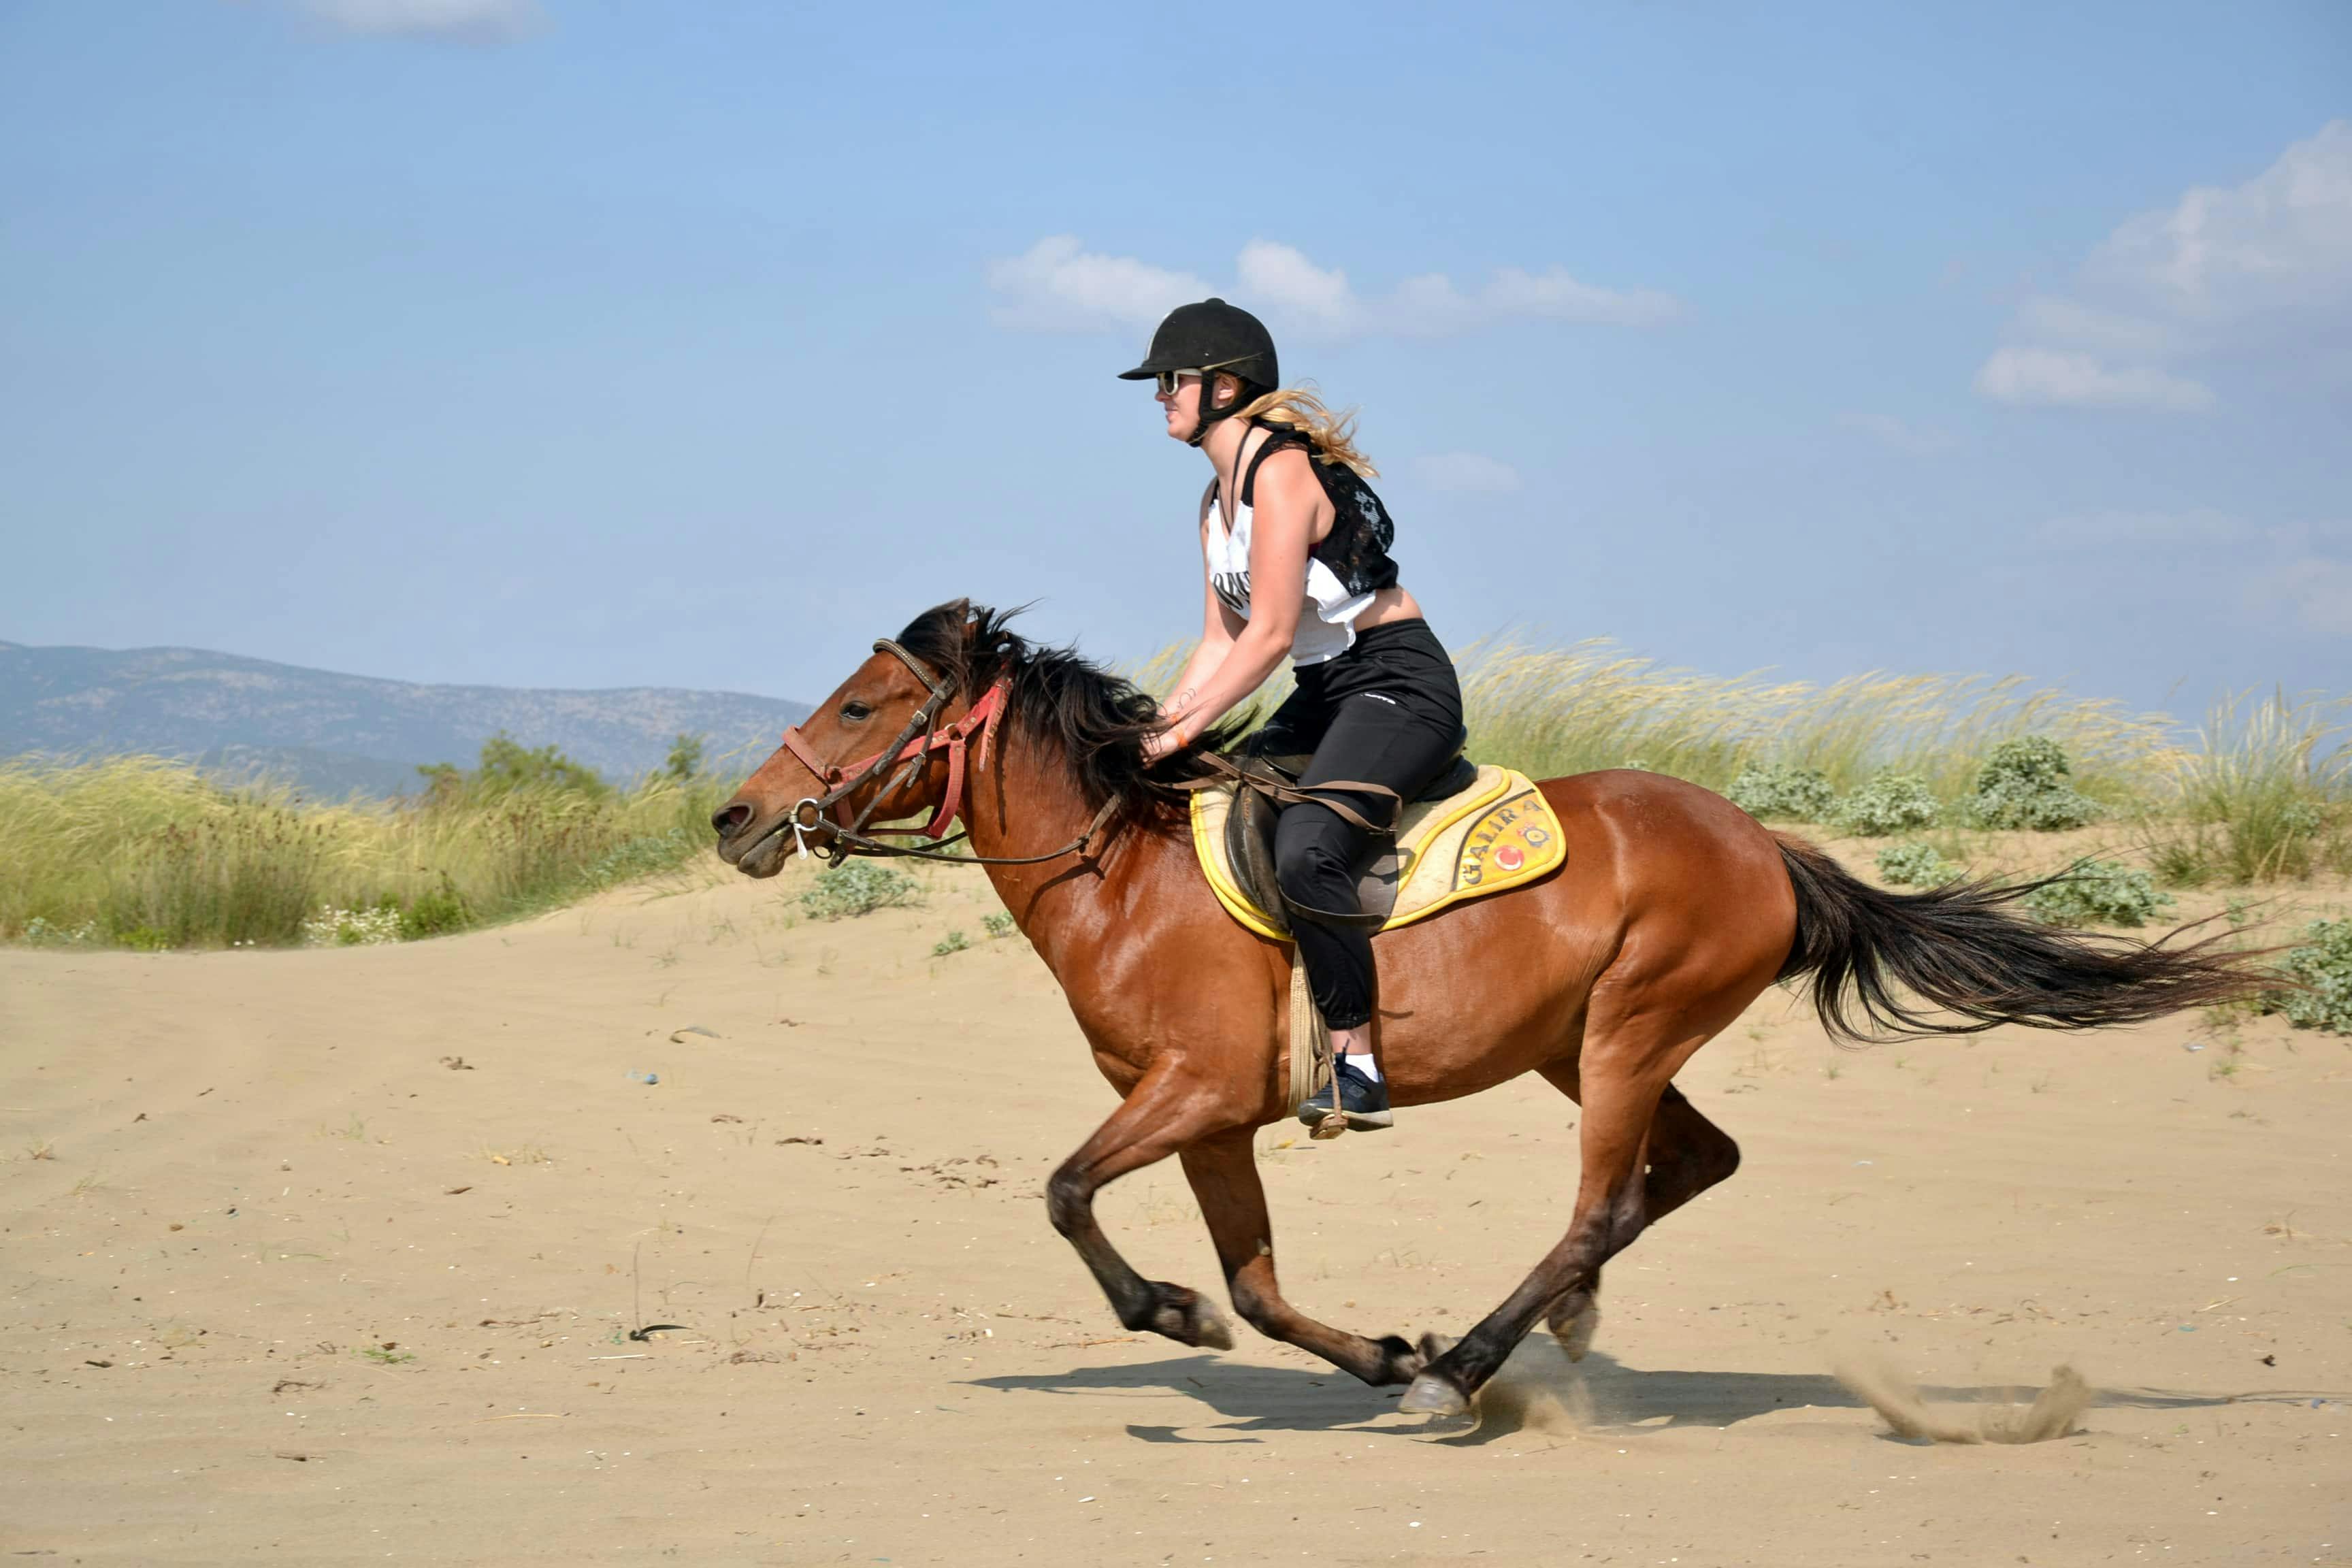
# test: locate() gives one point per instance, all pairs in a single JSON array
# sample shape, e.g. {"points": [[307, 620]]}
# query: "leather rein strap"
{"points": [[1328, 795], [915, 743]]}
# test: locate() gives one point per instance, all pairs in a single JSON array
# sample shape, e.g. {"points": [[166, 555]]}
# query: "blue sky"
{"points": [[551, 343]]}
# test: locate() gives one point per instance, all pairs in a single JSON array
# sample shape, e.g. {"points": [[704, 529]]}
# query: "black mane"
{"points": [[1098, 720]]}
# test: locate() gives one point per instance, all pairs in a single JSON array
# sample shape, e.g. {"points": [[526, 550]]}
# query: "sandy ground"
{"points": [[316, 1257]]}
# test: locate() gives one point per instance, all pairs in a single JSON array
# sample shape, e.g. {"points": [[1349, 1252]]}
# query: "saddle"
{"points": [[1478, 829]]}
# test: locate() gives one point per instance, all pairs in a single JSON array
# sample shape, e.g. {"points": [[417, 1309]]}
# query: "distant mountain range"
{"points": [[336, 735]]}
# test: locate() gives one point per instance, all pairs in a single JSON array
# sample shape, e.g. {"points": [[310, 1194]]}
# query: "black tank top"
{"points": [[1356, 551]]}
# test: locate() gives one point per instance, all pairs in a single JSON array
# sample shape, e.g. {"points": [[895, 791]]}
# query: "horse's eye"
{"points": [[855, 712]]}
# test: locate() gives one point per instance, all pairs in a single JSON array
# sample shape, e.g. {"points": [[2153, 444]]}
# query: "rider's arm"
{"points": [[1219, 627], [1281, 531]]}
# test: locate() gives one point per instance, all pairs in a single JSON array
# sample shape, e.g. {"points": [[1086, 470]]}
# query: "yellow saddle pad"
{"points": [[1495, 835]]}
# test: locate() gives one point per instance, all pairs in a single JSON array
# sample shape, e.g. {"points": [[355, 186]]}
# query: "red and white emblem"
{"points": [[1510, 859]]}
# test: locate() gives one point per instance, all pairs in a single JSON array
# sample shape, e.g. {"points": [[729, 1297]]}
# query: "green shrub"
{"points": [[2024, 784], [2323, 963], [2099, 892], [1890, 802], [435, 913], [954, 942], [1000, 924], [1916, 865], [1766, 791], [686, 757], [858, 887]]}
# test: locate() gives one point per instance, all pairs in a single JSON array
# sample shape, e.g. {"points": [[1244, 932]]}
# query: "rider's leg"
{"points": [[1319, 855]]}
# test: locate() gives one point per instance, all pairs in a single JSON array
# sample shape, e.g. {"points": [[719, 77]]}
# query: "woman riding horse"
{"points": [[1295, 554], [1674, 910]]}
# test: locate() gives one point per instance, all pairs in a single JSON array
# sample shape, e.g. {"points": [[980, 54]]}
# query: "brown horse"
{"points": [[1674, 910]]}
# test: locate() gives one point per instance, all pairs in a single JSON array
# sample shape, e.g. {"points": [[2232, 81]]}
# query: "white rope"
{"points": [[1310, 1048]]}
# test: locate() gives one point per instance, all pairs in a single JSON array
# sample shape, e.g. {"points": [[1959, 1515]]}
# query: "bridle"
{"points": [[922, 736]]}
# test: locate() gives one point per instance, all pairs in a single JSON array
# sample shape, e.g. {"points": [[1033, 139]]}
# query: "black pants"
{"points": [[1387, 712]]}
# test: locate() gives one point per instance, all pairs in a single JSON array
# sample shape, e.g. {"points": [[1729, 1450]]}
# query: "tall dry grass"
{"points": [[2265, 791], [1592, 705], [2265, 796], [152, 853]]}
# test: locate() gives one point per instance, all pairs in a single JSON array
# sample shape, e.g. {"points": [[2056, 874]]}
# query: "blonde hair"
{"points": [[1333, 435]]}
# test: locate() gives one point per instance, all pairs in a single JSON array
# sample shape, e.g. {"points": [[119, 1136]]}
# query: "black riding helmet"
{"points": [[1211, 336]]}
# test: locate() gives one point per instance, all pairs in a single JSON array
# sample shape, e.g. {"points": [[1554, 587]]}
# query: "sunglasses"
{"points": [[1169, 380]]}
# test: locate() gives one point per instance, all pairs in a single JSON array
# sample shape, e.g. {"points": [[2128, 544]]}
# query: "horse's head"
{"points": [[878, 748]]}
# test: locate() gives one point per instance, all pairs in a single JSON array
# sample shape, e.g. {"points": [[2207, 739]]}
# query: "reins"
{"points": [[1223, 770], [913, 746], [922, 736]]}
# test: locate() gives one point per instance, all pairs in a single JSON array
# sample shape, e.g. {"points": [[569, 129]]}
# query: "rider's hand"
{"points": [[1164, 743]]}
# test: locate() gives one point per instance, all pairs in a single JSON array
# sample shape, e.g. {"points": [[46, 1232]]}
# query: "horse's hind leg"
{"points": [[1635, 1041], [1223, 1169], [1686, 1155]]}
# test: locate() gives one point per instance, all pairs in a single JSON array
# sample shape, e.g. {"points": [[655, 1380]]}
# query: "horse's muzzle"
{"points": [[754, 853]]}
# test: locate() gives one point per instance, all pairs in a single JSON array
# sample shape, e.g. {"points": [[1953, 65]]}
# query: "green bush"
{"points": [[1766, 791], [954, 942], [2024, 784], [1916, 865], [2099, 892], [2323, 963], [506, 767], [686, 758], [1000, 924], [858, 887], [1890, 802], [435, 913]]}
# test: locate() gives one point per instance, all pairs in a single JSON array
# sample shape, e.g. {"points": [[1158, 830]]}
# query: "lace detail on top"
{"points": [[1344, 568]]}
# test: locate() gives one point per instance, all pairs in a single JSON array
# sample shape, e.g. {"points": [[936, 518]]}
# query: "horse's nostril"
{"points": [[730, 818]]}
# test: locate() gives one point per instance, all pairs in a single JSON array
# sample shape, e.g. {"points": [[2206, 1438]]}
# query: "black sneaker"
{"points": [[1363, 1099]]}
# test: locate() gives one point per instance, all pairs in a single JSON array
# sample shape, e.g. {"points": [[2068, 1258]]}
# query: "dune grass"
{"points": [[2266, 796], [1592, 705], [141, 852], [144, 853]]}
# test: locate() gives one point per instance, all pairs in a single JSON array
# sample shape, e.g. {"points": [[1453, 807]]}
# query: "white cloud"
{"points": [[1916, 439], [2261, 269], [1554, 296], [1469, 471], [2280, 240], [1280, 278], [2066, 377], [1056, 286], [480, 20]]}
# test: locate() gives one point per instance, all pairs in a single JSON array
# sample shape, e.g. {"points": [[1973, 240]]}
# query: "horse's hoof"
{"points": [[1432, 1394], [1188, 1319], [1575, 1337], [1399, 1363]]}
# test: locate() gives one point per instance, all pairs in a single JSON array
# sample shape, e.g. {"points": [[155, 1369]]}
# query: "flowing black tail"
{"points": [[1977, 963]]}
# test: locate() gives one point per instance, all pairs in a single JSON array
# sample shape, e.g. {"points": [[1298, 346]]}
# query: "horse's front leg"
{"points": [[1223, 1169], [1169, 1110]]}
